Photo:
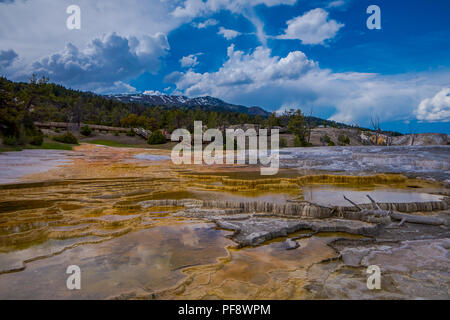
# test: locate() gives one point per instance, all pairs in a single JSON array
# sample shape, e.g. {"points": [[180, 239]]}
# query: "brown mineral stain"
{"points": [[87, 212]]}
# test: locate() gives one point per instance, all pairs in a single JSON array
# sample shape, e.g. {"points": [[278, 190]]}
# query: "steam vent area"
{"points": [[141, 227]]}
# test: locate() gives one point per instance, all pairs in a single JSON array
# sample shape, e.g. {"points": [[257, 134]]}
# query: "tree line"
{"points": [[22, 103]]}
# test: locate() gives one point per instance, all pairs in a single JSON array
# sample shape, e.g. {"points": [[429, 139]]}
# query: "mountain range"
{"points": [[205, 103]]}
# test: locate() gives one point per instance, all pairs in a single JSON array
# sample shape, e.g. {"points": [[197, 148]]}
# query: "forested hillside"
{"points": [[21, 104]]}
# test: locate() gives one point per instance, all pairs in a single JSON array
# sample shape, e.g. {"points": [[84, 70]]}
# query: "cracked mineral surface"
{"points": [[140, 227]]}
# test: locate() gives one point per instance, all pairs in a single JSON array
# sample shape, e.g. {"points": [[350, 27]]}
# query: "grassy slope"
{"points": [[112, 143], [48, 144]]}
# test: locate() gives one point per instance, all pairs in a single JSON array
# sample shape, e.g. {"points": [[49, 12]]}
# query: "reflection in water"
{"points": [[123, 249], [227, 196], [152, 157], [264, 272], [17, 164], [146, 260], [90, 216]]}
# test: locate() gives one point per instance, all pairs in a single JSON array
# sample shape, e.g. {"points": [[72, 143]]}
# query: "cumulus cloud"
{"points": [[45, 35], [104, 61], [37, 28], [195, 8], [189, 61], [205, 24], [115, 88], [7, 58], [251, 70], [313, 27], [258, 78], [228, 33], [436, 108]]}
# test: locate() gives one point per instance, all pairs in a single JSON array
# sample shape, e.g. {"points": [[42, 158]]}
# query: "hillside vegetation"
{"points": [[22, 104]]}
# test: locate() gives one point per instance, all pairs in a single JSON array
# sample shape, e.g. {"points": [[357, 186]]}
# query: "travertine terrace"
{"points": [[141, 227]]}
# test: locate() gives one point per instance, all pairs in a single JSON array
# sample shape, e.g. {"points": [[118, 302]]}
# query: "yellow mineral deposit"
{"points": [[89, 212]]}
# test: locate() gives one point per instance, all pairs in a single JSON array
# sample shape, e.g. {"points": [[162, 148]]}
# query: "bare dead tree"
{"points": [[33, 78], [377, 214], [375, 121], [75, 115], [412, 132]]}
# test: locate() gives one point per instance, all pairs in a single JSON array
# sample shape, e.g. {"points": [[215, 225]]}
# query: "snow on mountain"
{"points": [[207, 103]]}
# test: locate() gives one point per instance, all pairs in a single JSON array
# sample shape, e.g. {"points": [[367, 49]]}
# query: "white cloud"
{"points": [[104, 61], [195, 8], [190, 60], [336, 4], [313, 27], [258, 78], [34, 29], [246, 71], [228, 33], [7, 57], [205, 24], [436, 108], [34, 33], [115, 88], [153, 93]]}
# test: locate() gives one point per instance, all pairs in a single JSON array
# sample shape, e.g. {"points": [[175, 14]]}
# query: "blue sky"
{"points": [[277, 54]]}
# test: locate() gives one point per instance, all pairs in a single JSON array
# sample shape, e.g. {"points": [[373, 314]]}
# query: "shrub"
{"points": [[131, 133], [10, 141], [283, 143], [156, 138], [326, 140], [116, 134], [14, 141], [86, 131], [37, 140], [57, 130], [297, 141], [343, 139], [300, 142], [66, 138]]}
